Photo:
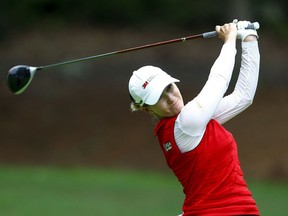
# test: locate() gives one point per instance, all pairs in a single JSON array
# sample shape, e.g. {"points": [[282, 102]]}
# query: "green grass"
{"points": [[271, 197], [85, 192], [34, 191]]}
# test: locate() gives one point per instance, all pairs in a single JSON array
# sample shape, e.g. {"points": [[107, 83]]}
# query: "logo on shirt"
{"points": [[167, 146]]}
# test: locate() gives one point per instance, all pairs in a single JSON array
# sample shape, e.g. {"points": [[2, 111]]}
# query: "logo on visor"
{"points": [[147, 81], [145, 84]]}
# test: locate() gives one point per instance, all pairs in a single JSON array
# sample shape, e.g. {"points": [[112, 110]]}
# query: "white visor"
{"points": [[147, 84]]}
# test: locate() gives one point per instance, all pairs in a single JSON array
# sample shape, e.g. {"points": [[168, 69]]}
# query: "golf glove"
{"points": [[242, 32]]}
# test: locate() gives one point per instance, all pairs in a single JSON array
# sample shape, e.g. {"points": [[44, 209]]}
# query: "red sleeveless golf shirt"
{"points": [[210, 174]]}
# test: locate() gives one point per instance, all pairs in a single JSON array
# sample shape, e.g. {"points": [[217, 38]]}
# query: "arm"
{"points": [[191, 123], [245, 88], [197, 113]]}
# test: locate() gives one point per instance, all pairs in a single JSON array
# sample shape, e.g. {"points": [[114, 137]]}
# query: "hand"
{"points": [[227, 32], [243, 33]]}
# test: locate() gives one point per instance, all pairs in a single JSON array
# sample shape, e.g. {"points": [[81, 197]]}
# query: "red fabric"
{"points": [[210, 174]]}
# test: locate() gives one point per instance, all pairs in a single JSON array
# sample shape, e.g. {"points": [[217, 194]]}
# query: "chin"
{"points": [[176, 112], [178, 108]]}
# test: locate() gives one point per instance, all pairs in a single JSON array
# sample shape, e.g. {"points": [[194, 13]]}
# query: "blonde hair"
{"points": [[137, 107]]}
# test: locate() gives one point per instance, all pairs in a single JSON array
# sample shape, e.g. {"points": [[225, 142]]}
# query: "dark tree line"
{"points": [[21, 14]]}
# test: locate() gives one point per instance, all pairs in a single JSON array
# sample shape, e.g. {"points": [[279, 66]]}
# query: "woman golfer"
{"points": [[199, 150]]}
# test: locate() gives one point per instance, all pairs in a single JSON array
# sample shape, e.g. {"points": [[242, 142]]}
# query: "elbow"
{"points": [[245, 99], [246, 102], [249, 102]]}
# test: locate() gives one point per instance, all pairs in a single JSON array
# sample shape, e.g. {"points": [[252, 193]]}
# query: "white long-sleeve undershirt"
{"points": [[211, 103]]}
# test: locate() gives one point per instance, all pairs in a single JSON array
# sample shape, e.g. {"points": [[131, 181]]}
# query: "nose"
{"points": [[170, 98]]}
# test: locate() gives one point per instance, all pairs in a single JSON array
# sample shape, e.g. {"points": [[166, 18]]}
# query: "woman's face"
{"points": [[169, 104]]}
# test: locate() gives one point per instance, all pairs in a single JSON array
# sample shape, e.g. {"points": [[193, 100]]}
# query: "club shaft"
{"points": [[183, 39], [210, 34]]}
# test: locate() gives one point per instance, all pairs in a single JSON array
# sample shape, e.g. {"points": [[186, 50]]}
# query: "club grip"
{"points": [[254, 25], [209, 34]]}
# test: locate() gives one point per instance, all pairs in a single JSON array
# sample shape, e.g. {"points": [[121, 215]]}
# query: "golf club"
{"points": [[20, 76]]}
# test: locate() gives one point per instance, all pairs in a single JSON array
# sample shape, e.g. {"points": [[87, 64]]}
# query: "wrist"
{"points": [[250, 38], [230, 40]]}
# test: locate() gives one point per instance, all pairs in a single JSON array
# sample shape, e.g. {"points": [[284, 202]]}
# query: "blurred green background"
{"points": [[70, 145]]}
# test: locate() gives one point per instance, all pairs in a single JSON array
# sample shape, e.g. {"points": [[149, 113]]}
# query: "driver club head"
{"points": [[19, 78]]}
